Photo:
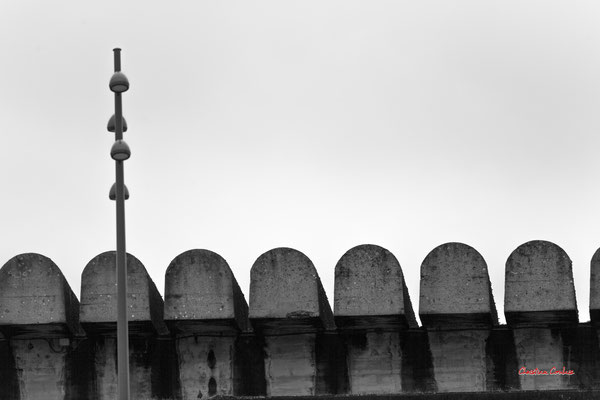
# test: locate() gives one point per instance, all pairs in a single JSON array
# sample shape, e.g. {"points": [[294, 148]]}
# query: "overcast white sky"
{"points": [[317, 125]]}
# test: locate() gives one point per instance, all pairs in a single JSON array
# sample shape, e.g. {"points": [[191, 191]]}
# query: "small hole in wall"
{"points": [[211, 360], [212, 387]]}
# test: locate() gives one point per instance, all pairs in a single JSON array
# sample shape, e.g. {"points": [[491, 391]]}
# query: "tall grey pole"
{"points": [[122, 328]]}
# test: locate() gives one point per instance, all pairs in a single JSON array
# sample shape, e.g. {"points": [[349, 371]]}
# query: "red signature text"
{"points": [[553, 371]]}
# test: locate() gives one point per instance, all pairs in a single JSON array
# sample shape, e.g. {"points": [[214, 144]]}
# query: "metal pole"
{"points": [[122, 328]]}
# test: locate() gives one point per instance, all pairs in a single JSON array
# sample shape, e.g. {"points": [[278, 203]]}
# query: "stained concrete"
{"points": [[8, 373], [543, 349], [501, 361], [530, 395], [202, 295], [455, 288], [376, 366], [539, 286], [332, 370], [298, 355], [41, 366], [153, 370], [370, 290], [140, 373], [287, 298], [206, 366], [573, 347], [290, 365], [459, 360], [98, 311], [595, 288], [206, 309], [35, 299], [371, 306], [105, 363], [249, 375], [286, 293], [417, 366]]}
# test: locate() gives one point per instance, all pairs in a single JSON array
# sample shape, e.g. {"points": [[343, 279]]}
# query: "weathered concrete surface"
{"points": [[287, 298], [370, 290], [206, 366], [290, 365], [539, 286], [459, 359], [8, 373], [105, 367], [249, 366], [41, 366], [370, 294], [375, 366], [140, 370], [582, 347], [153, 371], [538, 395], [332, 370], [595, 288], [574, 347], [35, 299], [501, 360], [297, 355], [457, 308], [286, 294], [417, 366], [202, 295], [543, 349], [140, 373], [98, 311], [455, 288]]}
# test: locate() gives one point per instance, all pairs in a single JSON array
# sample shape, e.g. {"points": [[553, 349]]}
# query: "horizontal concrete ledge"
{"points": [[465, 320], [384, 322], [217, 327], [39, 331], [109, 329], [542, 318], [520, 395], [277, 326]]}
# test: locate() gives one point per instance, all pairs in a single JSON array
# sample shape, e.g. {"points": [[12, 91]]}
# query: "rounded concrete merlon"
{"points": [[456, 289], [35, 299], [370, 291], [539, 287], [202, 294], [286, 294], [98, 311], [595, 288]]}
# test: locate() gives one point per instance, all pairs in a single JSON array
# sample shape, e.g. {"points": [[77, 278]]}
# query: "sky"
{"points": [[316, 125]]}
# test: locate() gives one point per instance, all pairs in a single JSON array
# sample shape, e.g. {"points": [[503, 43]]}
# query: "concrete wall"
{"points": [[205, 340]]}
